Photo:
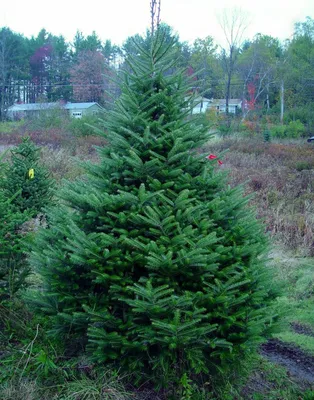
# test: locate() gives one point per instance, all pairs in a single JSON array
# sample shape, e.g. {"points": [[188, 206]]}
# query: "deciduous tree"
{"points": [[257, 68], [233, 24], [88, 77]]}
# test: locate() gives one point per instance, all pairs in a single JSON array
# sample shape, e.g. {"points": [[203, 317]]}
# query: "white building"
{"points": [[75, 110], [203, 104]]}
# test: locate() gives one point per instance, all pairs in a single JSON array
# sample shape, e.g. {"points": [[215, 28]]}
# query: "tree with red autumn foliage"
{"points": [[39, 71], [251, 92], [88, 77]]}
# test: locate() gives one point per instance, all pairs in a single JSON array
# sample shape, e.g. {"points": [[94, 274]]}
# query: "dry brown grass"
{"points": [[64, 163], [279, 175], [52, 137], [24, 390], [281, 178], [61, 152]]}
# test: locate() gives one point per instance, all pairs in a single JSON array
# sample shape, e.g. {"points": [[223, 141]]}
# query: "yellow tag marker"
{"points": [[31, 173]]}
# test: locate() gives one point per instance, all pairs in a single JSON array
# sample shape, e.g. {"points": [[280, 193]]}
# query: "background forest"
{"points": [[276, 79]]}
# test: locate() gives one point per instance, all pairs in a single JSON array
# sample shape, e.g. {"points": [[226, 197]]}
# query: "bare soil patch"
{"points": [[299, 364], [302, 329], [258, 383]]}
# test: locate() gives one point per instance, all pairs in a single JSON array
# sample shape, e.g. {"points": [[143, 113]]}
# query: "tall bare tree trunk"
{"points": [[3, 75], [282, 101], [229, 76], [155, 14], [233, 25], [267, 98]]}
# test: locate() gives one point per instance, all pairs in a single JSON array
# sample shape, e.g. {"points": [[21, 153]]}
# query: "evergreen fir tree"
{"points": [[153, 260], [13, 267], [28, 178]]}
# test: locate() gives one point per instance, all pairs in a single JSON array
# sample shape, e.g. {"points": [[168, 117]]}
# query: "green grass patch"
{"points": [[303, 341], [297, 303], [268, 381], [10, 126]]}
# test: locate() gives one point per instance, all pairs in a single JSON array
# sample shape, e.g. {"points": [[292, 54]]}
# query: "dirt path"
{"points": [[302, 329], [299, 364]]}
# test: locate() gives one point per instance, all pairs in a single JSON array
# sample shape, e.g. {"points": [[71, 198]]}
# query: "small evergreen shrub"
{"points": [[266, 135], [13, 268], [27, 181], [224, 125], [153, 263]]}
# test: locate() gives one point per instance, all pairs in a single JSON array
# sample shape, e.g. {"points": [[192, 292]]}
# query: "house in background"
{"points": [[75, 110], [78, 110], [203, 104], [200, 105], [20, 111], [234, 106]]}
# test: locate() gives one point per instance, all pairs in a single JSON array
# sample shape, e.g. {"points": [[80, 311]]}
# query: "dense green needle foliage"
{"points": [[27, 180], [153, 261], [13, 268]]}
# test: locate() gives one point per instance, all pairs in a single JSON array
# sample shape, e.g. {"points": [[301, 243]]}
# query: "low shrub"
{"points": [[212, 117], [305, 114], [278, 131], [303, 165], [7, 127], [251, 127], [294, 130], [52, 118], [84, 126]]}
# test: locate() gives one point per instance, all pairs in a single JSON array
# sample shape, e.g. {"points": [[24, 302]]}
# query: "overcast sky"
{"points": [[118, 19]]}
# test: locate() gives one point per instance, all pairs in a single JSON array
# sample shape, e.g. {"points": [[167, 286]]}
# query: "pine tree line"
{"points": [[48, 68]]}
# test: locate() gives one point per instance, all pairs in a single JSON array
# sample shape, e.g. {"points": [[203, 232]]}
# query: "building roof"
{"points": [[201, 98], [73, 106], [222, 102], [47, 106], [32, 106]]}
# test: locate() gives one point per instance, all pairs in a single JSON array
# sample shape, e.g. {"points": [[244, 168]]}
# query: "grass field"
{"points": [[280, 178]]}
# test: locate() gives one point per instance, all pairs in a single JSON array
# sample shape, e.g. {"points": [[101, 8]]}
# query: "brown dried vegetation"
{"points": [[281, 179]]}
